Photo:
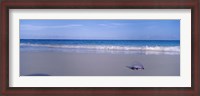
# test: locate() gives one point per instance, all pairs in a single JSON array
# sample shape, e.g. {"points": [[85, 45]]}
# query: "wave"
{"points": [[109, 47]]}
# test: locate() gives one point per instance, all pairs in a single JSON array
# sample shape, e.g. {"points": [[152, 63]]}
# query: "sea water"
{"points": [[146, 47]]}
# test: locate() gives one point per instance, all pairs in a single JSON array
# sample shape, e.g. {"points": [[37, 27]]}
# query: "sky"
{"points": [[100, 29]]}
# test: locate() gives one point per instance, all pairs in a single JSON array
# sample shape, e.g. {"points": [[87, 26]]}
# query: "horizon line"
{"points": [[89, 39]]}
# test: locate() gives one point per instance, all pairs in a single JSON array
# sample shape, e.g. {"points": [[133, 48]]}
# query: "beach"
{"points": [[57, 63], [98, 47]]}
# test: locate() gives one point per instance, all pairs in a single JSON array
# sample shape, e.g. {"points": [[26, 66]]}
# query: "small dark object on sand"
{"points": [[38, 74], [136, 66]]}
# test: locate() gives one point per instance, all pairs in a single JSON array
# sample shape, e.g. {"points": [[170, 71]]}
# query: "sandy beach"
{"points": [[99, 47], [93, 64]]}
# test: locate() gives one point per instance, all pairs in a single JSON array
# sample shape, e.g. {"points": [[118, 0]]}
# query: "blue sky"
{"points": [[101, 29]]}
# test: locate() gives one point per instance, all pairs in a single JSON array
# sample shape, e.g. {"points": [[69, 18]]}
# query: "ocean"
{"points": [[142, 47]]}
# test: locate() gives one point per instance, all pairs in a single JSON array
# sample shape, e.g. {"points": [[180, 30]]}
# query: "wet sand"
{"points": [[92, 64]]}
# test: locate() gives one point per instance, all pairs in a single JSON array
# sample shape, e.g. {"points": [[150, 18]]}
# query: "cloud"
{"points": [[103, 24], [152, 27], [112, 24], [36, 27], [118, 24]]}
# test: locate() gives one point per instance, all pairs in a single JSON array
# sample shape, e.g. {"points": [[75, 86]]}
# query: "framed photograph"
{"points": [[100, 47]]}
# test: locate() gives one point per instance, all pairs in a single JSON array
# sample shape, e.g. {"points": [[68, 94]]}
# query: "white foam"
{"points": [[110, 47]]}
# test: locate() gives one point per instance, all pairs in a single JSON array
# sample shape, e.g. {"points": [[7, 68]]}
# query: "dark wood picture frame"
{"points": [[100, 4]]}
